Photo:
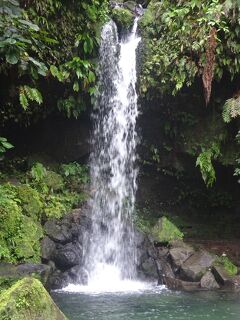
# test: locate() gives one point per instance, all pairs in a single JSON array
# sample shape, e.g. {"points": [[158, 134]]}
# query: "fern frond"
{"points": [[204, 161], [231, 109]]}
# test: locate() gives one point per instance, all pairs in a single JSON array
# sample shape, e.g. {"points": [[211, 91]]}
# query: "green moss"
{"points": [[30, 200], [227, 264], [6, 283], [166, 231], [123, 18], [27, 299]]}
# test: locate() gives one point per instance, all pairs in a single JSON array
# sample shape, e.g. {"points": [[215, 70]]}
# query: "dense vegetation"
{"points": [[29, 198], [47, 44], [196, 44]]}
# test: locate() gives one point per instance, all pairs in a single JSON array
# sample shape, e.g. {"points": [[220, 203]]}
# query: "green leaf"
{"points": [[7, 145], [29, 24], [79, 73], [23, 100], [12, 57], [91, 76], [76, 86]]}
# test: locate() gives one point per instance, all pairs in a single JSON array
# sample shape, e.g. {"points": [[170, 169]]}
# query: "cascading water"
{"points": [[110, 257]]}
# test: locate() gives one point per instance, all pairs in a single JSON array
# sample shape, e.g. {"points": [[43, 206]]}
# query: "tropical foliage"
{"points": [[189, 39], [47, 44], [39, 194]]}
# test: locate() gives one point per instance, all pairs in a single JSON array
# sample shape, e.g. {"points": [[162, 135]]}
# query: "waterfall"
{"points": [[111, 254]]}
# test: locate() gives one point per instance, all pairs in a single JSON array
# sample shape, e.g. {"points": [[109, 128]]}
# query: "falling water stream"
{"points": [[110, 256]]}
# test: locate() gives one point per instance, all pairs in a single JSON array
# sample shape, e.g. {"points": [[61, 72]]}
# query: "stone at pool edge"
{"points": [[27, 299], [180, 254], [208, 281], [197, 265]]}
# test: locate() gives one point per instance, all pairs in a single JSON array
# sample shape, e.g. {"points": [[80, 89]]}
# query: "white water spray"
{"points": [[110, 257]]}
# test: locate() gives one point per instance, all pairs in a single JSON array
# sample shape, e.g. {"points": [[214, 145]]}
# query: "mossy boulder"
{"points": [[27, 299], [165, 231], [124, 18]]}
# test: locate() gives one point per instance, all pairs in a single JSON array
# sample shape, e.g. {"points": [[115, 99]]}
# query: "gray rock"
{"points": [[8, 270], [208, 281], [196, 266], [68, 256], [149, 268], [58, 232], [58, 280], [221, 275], [78, 275], [164, 270], [48, 248], [180, 254], [177, 284]]}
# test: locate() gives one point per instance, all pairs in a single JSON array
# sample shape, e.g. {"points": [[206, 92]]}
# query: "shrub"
{"points": [[30, 200], [53, 180], [75, 175], [227, 264], [27, 240]]}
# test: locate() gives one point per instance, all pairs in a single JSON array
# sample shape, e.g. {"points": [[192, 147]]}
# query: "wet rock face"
{"points": [[68, 256], [62, 248]]}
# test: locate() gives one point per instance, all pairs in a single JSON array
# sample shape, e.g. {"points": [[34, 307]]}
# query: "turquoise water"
{"points": [[163, 305]]}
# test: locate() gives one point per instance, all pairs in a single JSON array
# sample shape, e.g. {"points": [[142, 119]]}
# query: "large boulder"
{"points": [[180, 253], [68, 256], [57, 231], [27, 299], [209, 282], [196, 266], [48, 248]]}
